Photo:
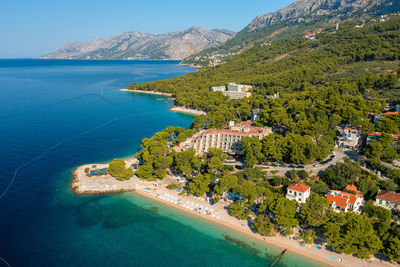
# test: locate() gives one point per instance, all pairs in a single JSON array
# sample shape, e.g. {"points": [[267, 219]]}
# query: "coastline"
{"points": [[235, 228], [145, 92], [187, 110], [321, 256], [191, 65], [82, 184], [156, 190]]}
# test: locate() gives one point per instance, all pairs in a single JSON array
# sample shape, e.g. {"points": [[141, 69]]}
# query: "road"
{"points": [[338, 156]]}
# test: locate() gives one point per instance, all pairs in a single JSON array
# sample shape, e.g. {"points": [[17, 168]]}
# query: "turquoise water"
{"points": [[68, 113]]}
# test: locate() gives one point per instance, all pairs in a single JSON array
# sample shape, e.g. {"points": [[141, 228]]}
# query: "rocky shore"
{"points": [[83, 184]]}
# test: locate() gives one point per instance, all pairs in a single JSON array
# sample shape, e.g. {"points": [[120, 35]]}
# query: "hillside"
{"points": [[142, 46], [301, 17], [337, 71]]}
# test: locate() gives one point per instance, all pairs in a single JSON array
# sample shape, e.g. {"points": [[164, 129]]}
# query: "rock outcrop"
{"points": [[308, 10]]}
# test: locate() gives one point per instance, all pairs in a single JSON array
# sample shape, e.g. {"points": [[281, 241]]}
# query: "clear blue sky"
{"points": [[30, 28]]}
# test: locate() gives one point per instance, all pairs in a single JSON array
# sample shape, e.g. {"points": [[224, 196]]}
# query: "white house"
{"points": [[255, 114], [388, 200], [350, 137], [298, 192], [343, 201]]}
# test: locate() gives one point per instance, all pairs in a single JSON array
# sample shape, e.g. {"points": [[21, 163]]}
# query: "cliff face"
{"points": [[307, 10], [136, 45]]}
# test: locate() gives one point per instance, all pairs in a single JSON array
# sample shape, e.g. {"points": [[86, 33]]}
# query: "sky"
{"points": [[31, 28]]}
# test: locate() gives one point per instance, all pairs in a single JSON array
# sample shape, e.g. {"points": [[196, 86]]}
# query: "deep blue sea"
{"points": [[56, 115]]}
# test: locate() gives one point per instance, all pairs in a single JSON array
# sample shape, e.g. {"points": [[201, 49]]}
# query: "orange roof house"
{"points": [[343, 201], [298, 192], [388, 200]]}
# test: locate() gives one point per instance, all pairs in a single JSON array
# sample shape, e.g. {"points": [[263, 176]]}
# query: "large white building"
{"points": [[239, 87], [298, 192], [234, 91], [226, 139]]}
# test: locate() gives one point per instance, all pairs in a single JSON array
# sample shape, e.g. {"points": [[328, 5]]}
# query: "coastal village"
{"points": [[270, 139], [174, 188], [305, 158]]}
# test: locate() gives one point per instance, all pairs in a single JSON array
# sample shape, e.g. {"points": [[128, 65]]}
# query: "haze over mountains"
{"points": [[134, 45]]}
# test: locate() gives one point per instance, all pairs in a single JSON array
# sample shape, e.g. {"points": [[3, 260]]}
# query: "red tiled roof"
{"points": [[352, 187], [341, 198], [351, 127], [299, 187], [394, 136], [338, 200], [246, 123], [391, 113], [389, 196], [375, 133]]}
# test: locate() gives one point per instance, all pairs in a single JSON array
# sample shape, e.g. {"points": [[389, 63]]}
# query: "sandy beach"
{"points": [[199, 207], [187, 110], [145, 92]]}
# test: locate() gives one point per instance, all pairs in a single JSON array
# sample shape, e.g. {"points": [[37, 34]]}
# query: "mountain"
{"points": [[135, 45], [303, 16], [308, 10]]}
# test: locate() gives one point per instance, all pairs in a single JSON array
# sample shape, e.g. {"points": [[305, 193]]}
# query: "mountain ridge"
{"points": [[141, 46], [298, 18]]}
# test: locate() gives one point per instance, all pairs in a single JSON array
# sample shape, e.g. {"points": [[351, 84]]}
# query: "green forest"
{"points": [[339, 78], [318, 85]]}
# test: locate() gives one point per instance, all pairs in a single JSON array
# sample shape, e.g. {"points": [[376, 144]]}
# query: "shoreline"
{"points": [[277, 241], [191, 65], [235, 228], [157, 191], [105, 184], [145, 92], [187, 110]]}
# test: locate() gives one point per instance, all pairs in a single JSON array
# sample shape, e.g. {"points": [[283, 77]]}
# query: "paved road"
{"points": [[389, 165], [338, 155]]}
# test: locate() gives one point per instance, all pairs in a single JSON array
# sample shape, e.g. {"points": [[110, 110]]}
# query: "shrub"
{"points": [[172, 186], [117, 170], [374, 211], [302, 174]]}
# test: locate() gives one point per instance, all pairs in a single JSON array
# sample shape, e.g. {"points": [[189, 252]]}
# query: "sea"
{"points": [[58, 114]]}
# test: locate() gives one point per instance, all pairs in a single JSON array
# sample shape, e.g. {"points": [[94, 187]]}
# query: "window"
{"points": [[290, 191], [295, 193], [299, 194], [380, 201], [299, 199]]}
